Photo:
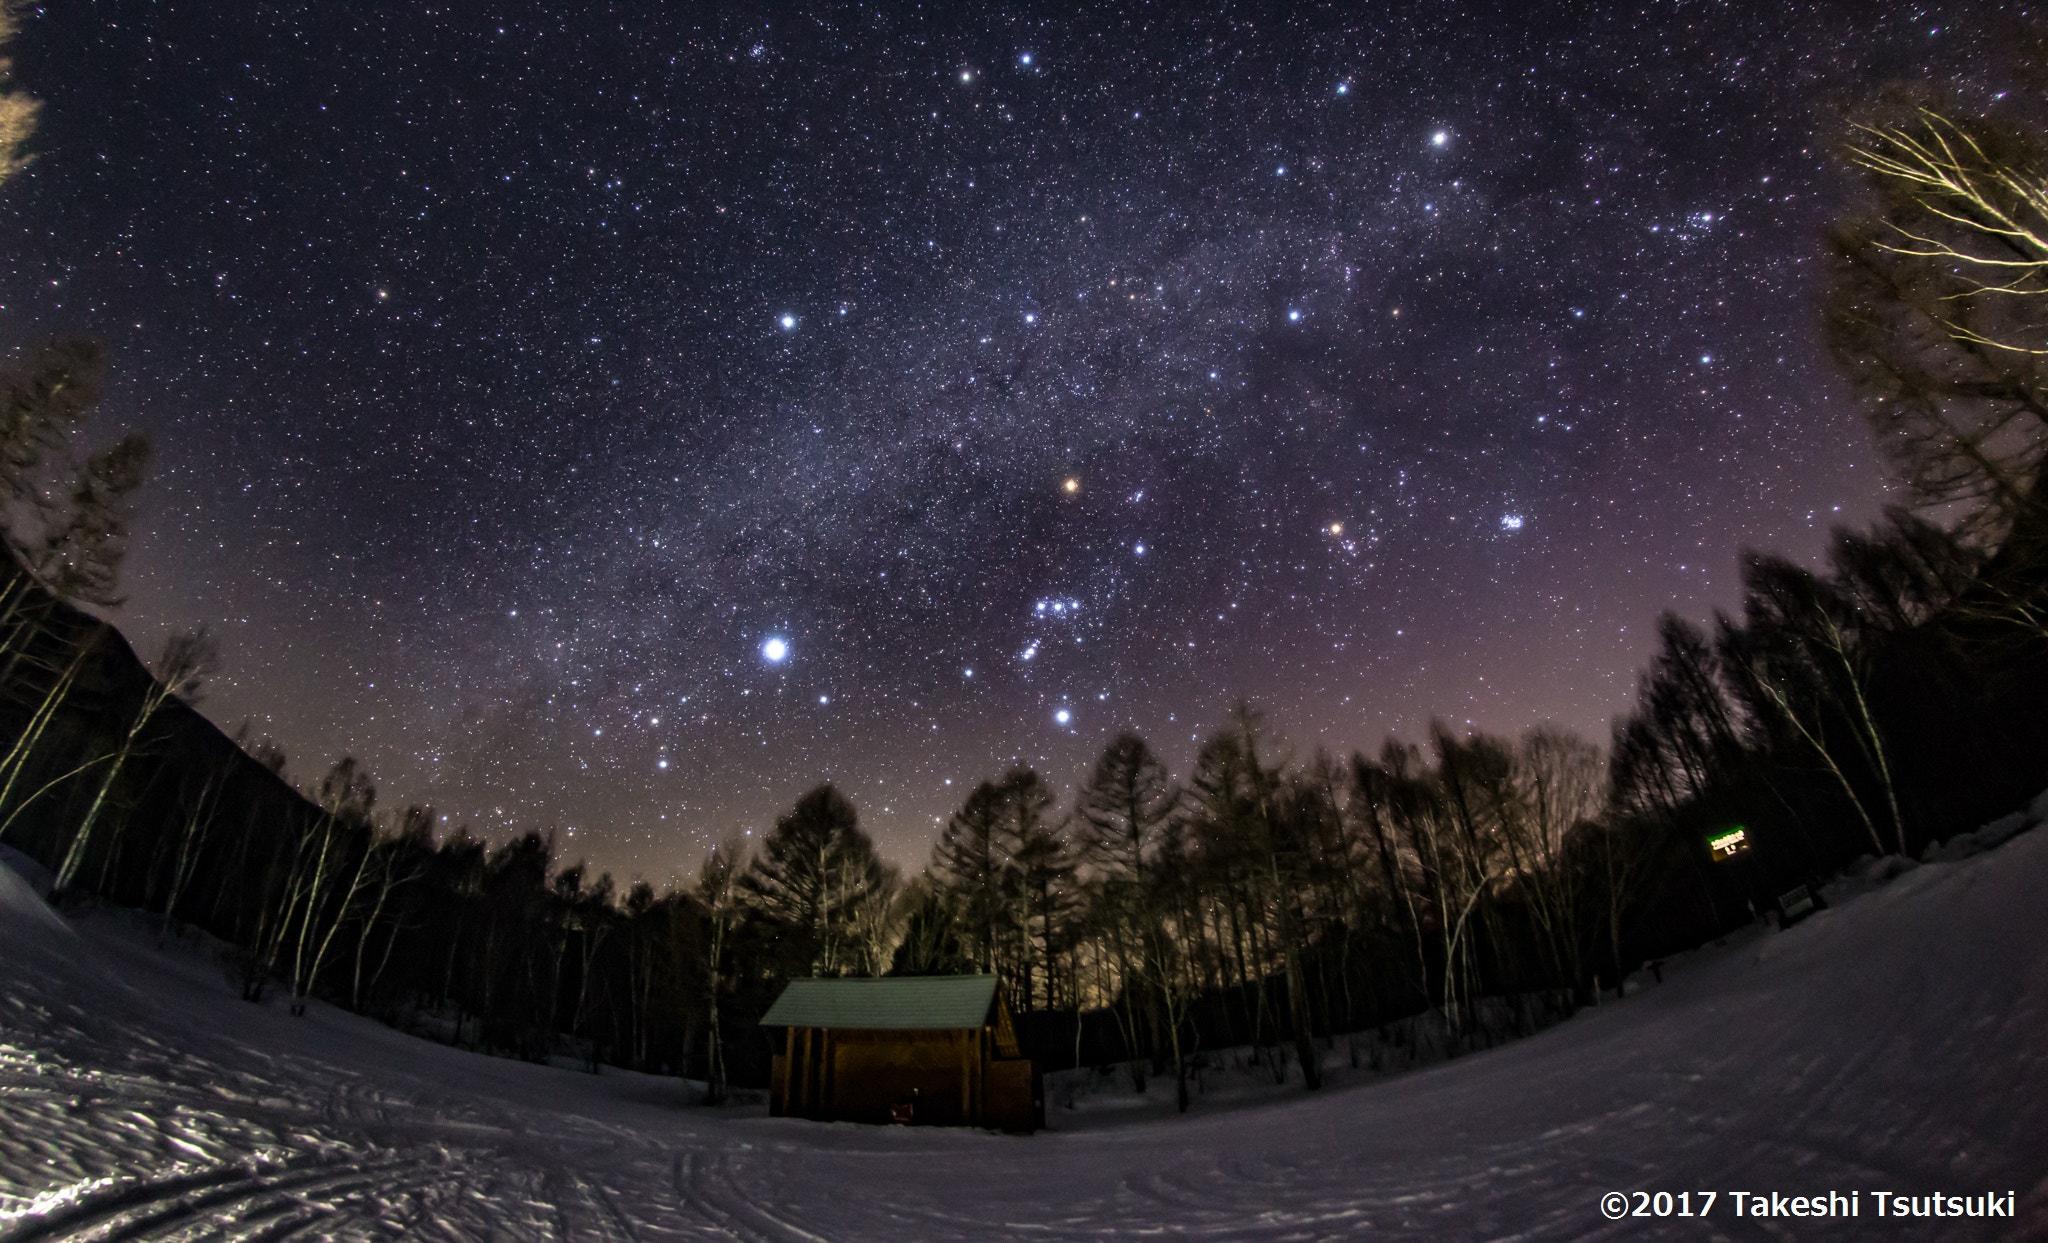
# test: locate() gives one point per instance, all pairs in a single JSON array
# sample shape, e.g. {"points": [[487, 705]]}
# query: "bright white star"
{"points": [[788, 322], [1439, 138], [1063, 716], [775, 651]]}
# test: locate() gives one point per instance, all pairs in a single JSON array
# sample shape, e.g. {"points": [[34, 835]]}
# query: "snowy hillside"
{"points": [[1895, 1042]]}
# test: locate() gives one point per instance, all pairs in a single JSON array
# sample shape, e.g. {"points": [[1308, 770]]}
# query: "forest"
{"points": [[1872, 706]]}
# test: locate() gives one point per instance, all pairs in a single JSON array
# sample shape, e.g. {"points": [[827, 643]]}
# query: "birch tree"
{"points": [[345, 800], [195, 829], [718, 893], [188, 660], [1939, 311], [1807, 660]]}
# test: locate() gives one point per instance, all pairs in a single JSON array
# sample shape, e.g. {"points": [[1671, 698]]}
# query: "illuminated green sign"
{"points": [[1728, 843]]}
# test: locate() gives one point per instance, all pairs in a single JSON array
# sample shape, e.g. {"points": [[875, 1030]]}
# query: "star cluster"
{"points": [[616, 423]]}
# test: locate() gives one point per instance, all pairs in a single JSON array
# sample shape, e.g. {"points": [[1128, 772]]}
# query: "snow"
{"points": [[1237, 1077], [1893, 1041]]}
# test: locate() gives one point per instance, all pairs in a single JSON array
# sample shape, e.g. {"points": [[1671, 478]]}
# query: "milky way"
{"points": [[618, 423]]}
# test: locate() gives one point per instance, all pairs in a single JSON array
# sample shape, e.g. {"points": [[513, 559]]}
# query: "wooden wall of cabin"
{"points": [[873, 1070], [856, 1076], [1013, 1097]]}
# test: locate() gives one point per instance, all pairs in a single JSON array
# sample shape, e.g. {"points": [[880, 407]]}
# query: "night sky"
{"points": [[620, 422]]}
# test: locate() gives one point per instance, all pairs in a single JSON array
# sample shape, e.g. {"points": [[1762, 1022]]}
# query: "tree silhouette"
{"points": [[17, 111], [816, 872], [1939, 310]]}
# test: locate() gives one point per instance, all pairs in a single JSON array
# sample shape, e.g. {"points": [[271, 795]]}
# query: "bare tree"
{"points": [[929, 939], [1283, 855], [1046, 908], [188, 659], [1164, 966], [1618, 857], [345, 799], [1124, 813], [392, 863], [1036, 867], [1374, 788], [975, 861], [59, 545], [594, 916], [815, 871], [194, 830], [1806, 659], [1939, 312], [1559, 778], [718, 892], [17, 111], [1235, 812], [873, 923]]}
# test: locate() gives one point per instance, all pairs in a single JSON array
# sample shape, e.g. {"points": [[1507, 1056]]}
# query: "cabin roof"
{"points": [[911, 1003]]}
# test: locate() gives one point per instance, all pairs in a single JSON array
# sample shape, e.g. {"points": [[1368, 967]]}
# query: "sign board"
{"points": [[1795, 905], [1729, 843]]}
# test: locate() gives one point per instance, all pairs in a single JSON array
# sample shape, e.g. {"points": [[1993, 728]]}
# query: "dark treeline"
{"points": [[1873, 706]]}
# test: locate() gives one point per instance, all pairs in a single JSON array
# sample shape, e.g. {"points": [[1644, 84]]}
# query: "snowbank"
{"points": [[1996, 833], [22, 910], [1893, 1042], [1243, 1076]]}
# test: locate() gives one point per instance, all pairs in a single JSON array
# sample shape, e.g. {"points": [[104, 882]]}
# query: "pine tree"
{"points": [[816, 872], [975, 860], [1125, 811]]}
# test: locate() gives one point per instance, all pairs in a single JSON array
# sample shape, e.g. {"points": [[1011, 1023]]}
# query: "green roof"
{"points": [[912, 1003]]}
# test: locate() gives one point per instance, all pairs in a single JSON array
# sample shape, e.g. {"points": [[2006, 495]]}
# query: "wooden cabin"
{"points": [[856, 1050]]}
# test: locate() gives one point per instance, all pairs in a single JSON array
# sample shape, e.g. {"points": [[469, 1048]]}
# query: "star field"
{"points": [[620, 423]]}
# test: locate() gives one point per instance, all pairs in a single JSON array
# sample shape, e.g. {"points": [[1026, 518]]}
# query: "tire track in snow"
{"points": [[1829, 1054], [612, 1223], [237, 1196], [704, 1182]]}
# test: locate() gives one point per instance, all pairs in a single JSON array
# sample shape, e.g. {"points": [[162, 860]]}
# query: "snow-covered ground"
{"points": [[1897, 1042]]}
